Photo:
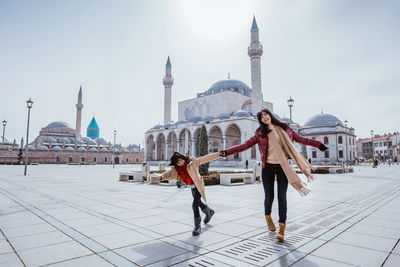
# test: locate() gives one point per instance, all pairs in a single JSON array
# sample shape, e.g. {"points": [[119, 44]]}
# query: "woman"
{"points": [[185, 169], [274, 139]]}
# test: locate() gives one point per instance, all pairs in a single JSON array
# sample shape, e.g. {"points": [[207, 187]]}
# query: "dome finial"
{"points": [[229, 75]]}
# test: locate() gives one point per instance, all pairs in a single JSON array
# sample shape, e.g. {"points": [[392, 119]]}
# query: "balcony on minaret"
{"points": [[255, 50], [168, 80]]}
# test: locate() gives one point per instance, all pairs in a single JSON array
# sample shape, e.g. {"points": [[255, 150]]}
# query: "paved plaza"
{"points": [[83, 216]]}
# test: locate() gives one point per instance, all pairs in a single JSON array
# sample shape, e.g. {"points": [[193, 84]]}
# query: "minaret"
{"points": [[168, 82], [79, 107], [255, 51]]}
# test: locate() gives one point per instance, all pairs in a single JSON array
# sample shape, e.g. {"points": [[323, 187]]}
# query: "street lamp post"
{"points": [[290, 102], [346, 136], [115, 133], [372, 143], [337, 127], [4, 129], [29, 104]]}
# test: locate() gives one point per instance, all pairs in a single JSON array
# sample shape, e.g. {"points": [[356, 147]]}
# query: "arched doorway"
{"points": [[215, 139], [150, 146], [116, 160], [185, 142], [233, 138], [160, 147], [196, 137], [172, 144]]}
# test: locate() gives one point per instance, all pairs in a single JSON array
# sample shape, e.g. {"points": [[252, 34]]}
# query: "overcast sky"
{"points": [[342, 56]]}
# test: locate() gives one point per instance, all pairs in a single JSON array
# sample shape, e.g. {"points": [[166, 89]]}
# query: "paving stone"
{"points": [[350, 254]]}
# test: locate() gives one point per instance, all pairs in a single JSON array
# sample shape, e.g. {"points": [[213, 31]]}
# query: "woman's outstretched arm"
{"points": [[239, 148]]}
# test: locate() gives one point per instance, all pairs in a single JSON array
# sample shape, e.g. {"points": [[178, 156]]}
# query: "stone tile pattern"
{"points": [[73, 216]]}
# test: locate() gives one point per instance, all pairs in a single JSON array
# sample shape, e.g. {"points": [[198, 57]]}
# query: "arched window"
{"points": [[326, 141], [340, 140]]}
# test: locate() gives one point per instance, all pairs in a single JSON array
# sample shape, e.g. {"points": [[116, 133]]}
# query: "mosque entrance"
{"points": [[116, 160]]}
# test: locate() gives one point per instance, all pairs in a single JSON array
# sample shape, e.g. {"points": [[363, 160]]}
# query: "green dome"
{"points": [[93, 130]]}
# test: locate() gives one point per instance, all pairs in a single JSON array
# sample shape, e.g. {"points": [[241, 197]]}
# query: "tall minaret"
{"points": [[168, 82], [79, 107], [255, 51]]}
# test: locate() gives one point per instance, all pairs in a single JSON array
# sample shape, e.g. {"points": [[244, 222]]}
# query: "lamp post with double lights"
{"points": [[290, 103], [346, 136], [372, 143], [4, 129], [29, 104], [337, 127], [115, 134]]}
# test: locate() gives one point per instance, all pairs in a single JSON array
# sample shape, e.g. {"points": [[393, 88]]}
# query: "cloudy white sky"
{"points": [[342, 56]]}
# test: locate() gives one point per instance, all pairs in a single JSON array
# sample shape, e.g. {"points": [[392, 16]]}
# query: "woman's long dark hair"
{"points": [[274, 120], [176, 156]]}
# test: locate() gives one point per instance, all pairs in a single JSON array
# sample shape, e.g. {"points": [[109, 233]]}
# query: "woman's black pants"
{"points": [[197, 202], [268, 177]]}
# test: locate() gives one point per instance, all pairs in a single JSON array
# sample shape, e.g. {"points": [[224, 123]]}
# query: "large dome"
{"points": [[229, 85], [59, 124], [323, 120]]}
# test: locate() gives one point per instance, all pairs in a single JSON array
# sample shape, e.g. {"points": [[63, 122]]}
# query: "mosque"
{"points": [[228, 111], [59, 143]]}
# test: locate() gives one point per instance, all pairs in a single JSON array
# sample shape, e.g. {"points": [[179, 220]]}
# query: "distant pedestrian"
{"points": [[185, 170], [247, 164], [274, 139]]}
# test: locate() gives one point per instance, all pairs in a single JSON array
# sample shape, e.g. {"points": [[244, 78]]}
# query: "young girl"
{"points": [[185, 169], [274, 139]]}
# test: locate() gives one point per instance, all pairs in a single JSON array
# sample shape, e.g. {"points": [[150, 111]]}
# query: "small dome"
{"points": [[103, 149], [64, 140], [241, 113], [101, 141], [93, 149], [125, 150], [59, 124], [30, 147], [43, 148], [207, 118], [56, 148], [323, 120], [50, 140], [229, 85], [91, 142], [195, 119], [81, 149], [134, 146], [76, 141], [69, 149], [85, 139], [180, 122], [278, 117], [157, 126], [223, 116], [135, 151], [287, 120], [167, 125]]}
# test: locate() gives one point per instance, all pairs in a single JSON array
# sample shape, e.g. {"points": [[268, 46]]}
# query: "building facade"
{"points": [[59, 143], [227, 109], [333, 133]]}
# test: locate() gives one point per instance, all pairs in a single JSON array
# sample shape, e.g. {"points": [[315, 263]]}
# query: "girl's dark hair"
{"points": [[274, 120], [176, 156]]}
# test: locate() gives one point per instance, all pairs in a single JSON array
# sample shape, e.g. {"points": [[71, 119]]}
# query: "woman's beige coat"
{"points": [[193, 170]]}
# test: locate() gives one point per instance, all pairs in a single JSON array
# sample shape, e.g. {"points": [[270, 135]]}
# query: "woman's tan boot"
{"points": [[270, 223], [281, 232]]}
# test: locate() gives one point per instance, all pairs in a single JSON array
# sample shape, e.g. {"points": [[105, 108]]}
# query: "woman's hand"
{"points": [[322, 147], [223, 153]]}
